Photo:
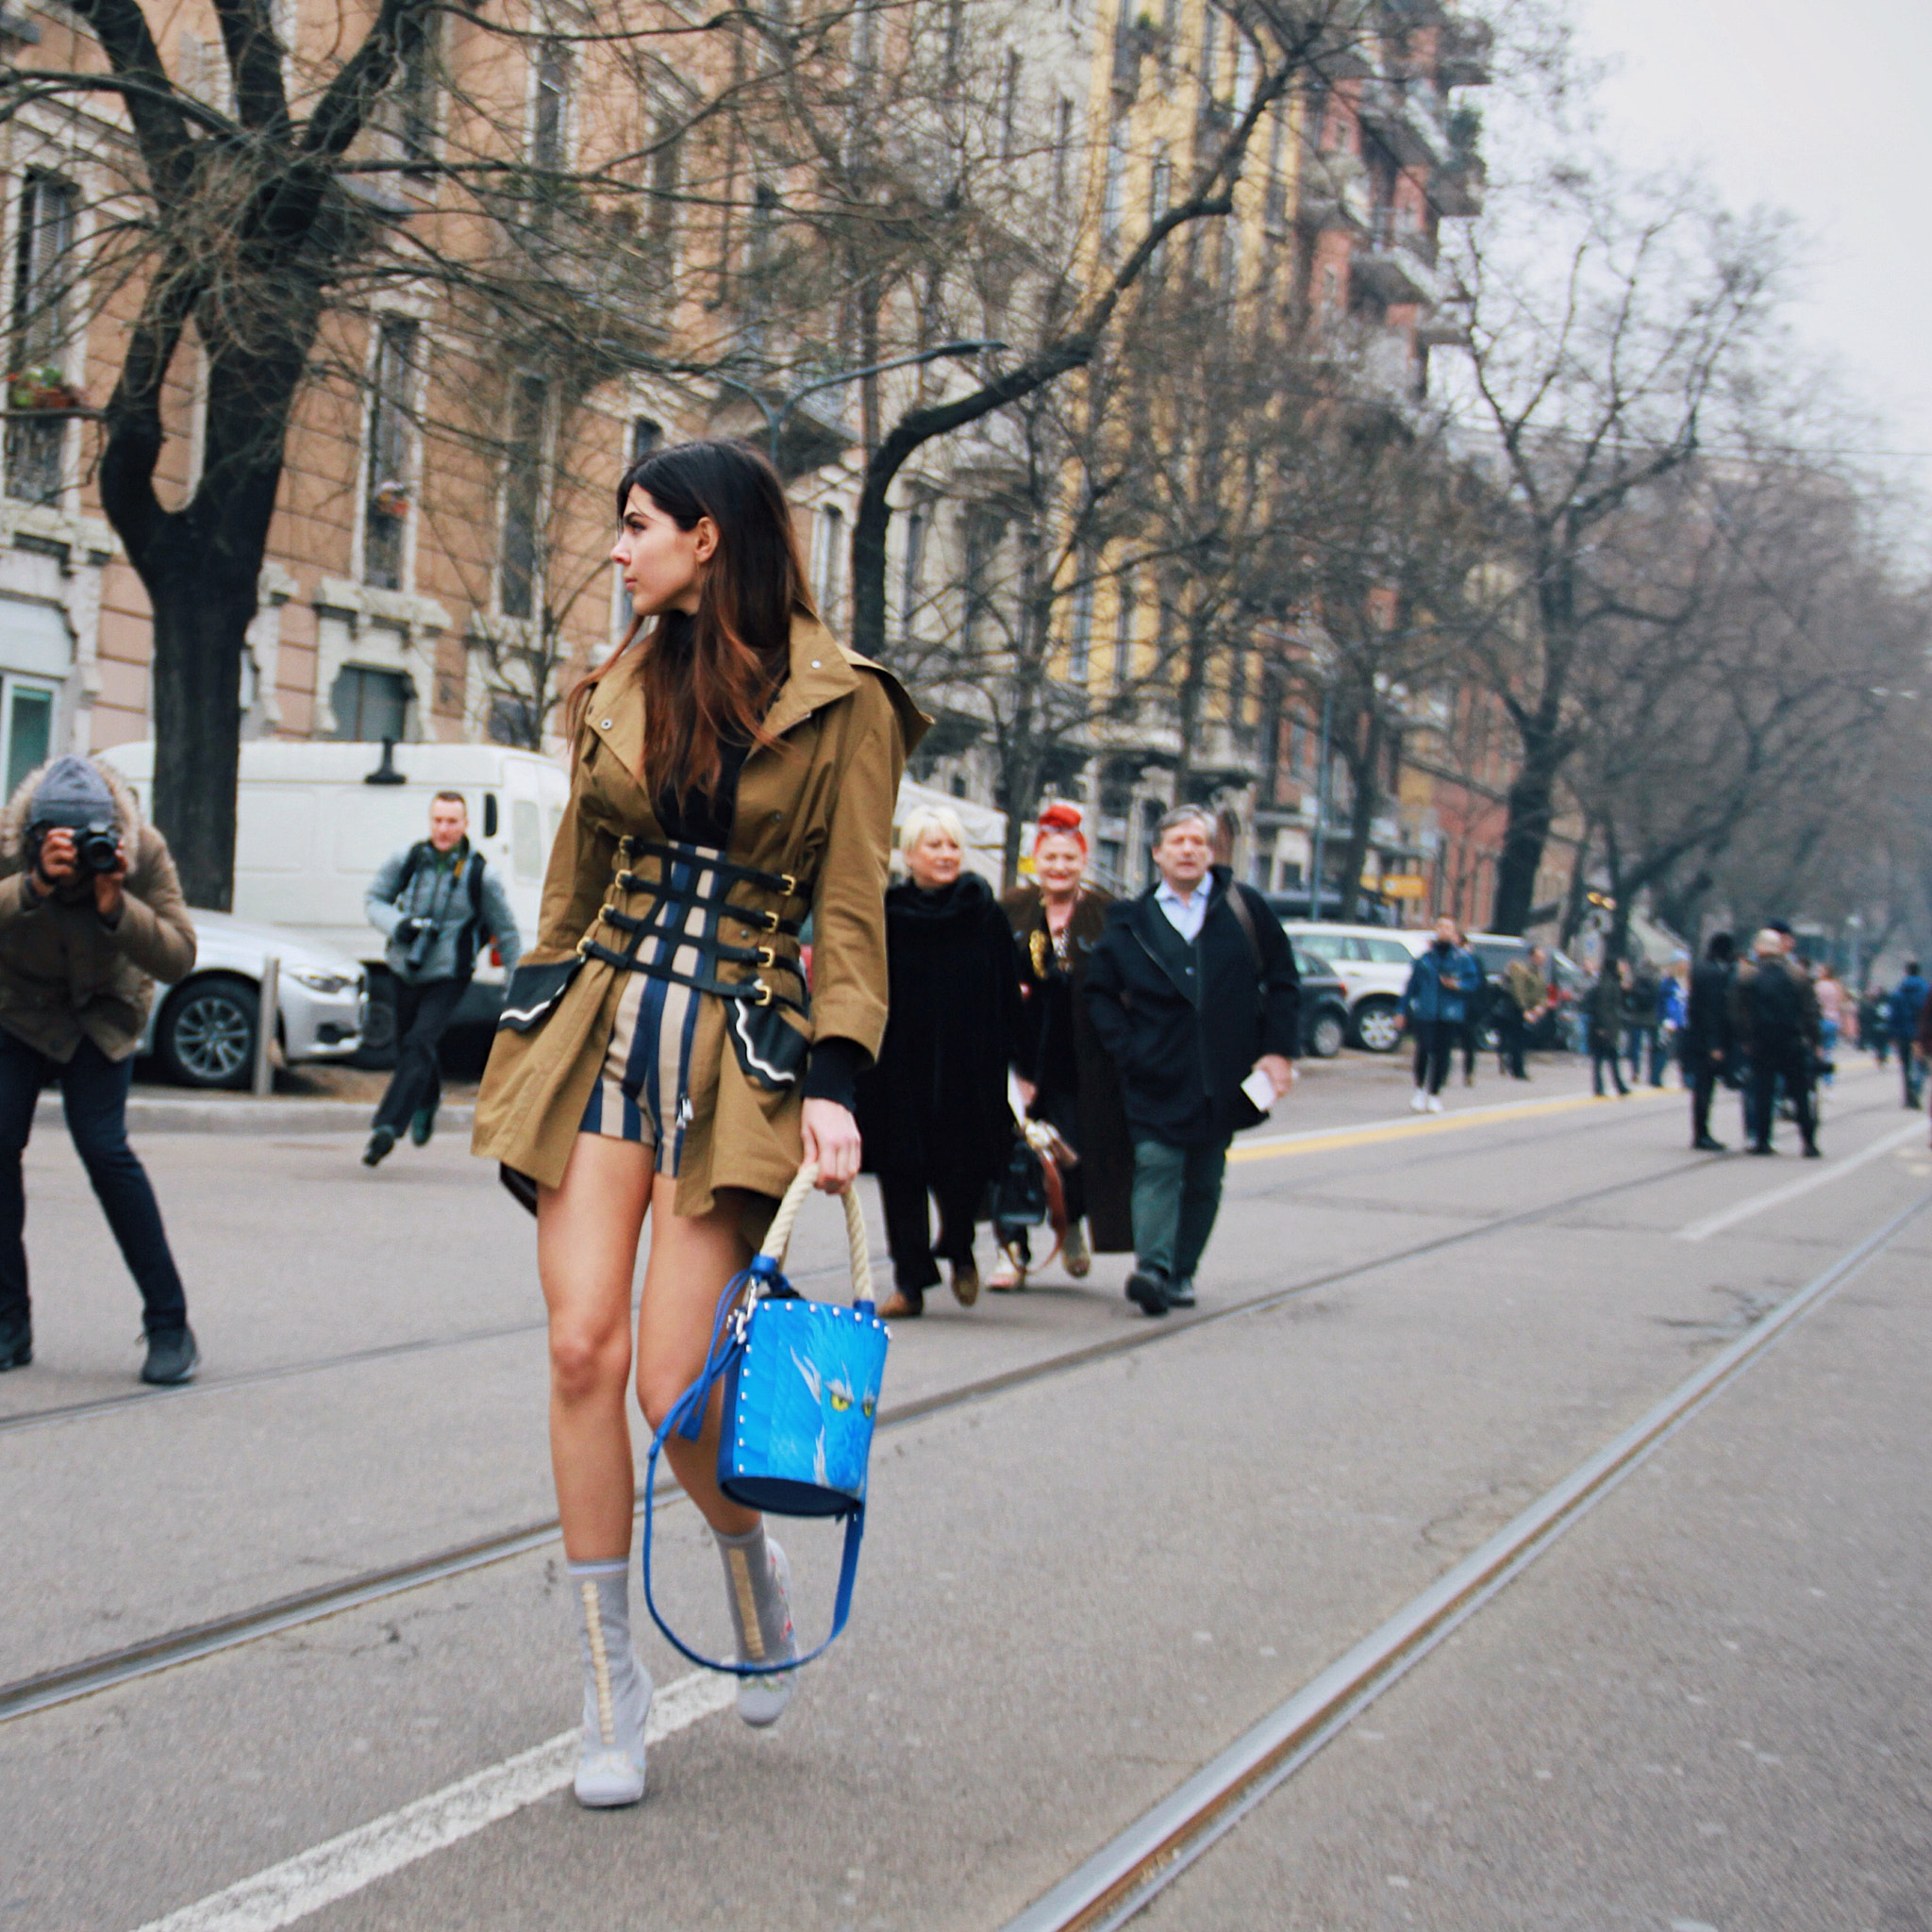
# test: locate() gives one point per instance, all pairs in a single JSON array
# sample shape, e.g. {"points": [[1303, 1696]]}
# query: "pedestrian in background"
{"points": [[1873, 1034], [1603, 1009], [1194, 993], [1831, 1010], [1922, 1043], [91, 916], [1522, 999], [1434, 1007], [1476, 1006], [932, 1112], [1057, 922], [438, 905], [1773, 1013], [1705, 1043], [1902, 1015], [1642, 1018]]}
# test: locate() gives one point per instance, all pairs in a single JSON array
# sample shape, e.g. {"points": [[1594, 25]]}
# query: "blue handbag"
{"points": [[801, 1391]]}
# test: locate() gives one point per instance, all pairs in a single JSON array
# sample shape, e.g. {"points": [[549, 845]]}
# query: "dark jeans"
{"points": [[1177, 1196], [423, 1015], [1701, 1075], [1512, 1029], [909, 1226], [1913, 1071], [1434, 1041], [1603, 1053], [1639, 1041], [1795, 1072], [93, 1092], [1471, 1038]]}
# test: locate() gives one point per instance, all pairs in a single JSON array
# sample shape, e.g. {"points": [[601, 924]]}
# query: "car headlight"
{"points": [[319, 979]]}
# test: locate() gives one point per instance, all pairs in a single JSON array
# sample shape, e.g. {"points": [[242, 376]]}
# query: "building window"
{"points": [[386, 515], [979, 546], [550, 110], [828, 552], [412, 114], [42, 268], [516, 721], [914, 570], [1080, 632], [1062, 146], [29, 727], [370, 705], [523, 496], [667, 164], [1009, 106], [1114, 182], [646, 438], [1123, 632]]}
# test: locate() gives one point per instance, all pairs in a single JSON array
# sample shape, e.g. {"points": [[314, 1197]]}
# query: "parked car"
{"points": [[1373, 964], [1324, 1006], [203, 1030], [1557, 1030]]}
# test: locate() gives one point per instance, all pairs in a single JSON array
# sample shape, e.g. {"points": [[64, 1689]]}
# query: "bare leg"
{"points": [[692, 1257], [587, 1250]]}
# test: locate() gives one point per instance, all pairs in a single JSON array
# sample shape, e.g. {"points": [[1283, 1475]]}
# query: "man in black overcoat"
{"points": [[1192, 988], [1704, 1046]]}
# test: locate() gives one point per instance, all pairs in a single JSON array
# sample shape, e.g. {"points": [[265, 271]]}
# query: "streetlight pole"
{"points": [[776, 418]]}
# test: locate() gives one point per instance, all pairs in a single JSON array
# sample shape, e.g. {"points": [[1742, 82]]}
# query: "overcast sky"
{"points": [[1822, 109]]}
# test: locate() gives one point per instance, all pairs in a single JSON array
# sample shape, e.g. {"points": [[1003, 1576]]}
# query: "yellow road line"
{"points": [[1430, 1123]]}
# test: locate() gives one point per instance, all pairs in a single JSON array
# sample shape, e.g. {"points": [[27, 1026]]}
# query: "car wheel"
{"points": [[1326, 1036], [378, 1052], [206, 1037], [1377, 1025]]}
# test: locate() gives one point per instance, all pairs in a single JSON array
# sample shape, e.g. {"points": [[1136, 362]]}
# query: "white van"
{"points": [[315, 819]]}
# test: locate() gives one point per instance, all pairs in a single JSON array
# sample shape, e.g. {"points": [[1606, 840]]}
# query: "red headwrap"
{"points": [[1061, 819]]}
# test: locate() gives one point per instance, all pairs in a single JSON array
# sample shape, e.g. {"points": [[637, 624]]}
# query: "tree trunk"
{"points": [[1531, 808]]}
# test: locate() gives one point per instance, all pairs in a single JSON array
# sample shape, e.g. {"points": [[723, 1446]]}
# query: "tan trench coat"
{"points": [[818, 808]]}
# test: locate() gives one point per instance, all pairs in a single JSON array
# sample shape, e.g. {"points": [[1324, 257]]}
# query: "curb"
{"points": [[244, 1114]]}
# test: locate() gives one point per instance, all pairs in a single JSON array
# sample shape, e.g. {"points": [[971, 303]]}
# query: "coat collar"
{"points": [[820, 671]]}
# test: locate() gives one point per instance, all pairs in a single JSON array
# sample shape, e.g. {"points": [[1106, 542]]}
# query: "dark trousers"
{"points": [[1471, 1038], [1511, 1031], [1701, 1075], [422, 1016], [1603, 1053], [93, 1092], [916, 1255], [1640, 1042], [1434, 1041], [1766, 1071], [1177, 1196], [1913, 1072]]}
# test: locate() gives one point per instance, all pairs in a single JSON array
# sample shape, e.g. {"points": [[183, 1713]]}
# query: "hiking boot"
{"points": [[172, 1356]]}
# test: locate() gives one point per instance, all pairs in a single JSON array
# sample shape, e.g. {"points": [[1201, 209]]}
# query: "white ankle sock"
{"points": [[617, 1688]]}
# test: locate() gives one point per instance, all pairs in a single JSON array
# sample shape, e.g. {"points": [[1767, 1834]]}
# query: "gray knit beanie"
{"points": [[74, 795]]}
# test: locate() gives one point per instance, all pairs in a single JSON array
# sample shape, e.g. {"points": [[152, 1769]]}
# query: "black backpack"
{"points": [[468, 935]]}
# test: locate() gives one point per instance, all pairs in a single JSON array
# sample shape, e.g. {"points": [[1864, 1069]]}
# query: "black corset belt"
{"points": [[677, 887]]}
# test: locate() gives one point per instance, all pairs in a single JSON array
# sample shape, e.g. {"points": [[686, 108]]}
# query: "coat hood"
{"points": [[13, 818]]}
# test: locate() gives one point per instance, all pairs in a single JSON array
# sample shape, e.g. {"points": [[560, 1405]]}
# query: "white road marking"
{"points": [[304, 1884], [1776, 1197]]}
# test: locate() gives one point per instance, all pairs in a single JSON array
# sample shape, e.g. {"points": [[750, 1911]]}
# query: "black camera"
{"points": [[418, 936], [96, 846]]}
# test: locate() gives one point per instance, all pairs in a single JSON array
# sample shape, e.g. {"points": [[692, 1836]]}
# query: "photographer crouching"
{"points": [[91, 916], [438, 905]]}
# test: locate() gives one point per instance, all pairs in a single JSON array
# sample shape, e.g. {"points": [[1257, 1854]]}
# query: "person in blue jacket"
{"points": [[1433, 1006], [1902, 1023]]}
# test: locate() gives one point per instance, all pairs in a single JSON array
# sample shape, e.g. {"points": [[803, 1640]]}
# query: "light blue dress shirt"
{"points": [[1184, 914]]}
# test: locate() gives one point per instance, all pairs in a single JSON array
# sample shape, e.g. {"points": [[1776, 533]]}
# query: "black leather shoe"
{"points": [[1814, 1152], [422, 1126], [172, 1356], [1756, 1149], [1148, 1292], [16, 1343], [1705, 1145], [1180, 1294], [378, 1148]]}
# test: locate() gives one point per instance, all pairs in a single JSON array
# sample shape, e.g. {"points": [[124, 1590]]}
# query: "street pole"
{"points": [[1321, 807], [265, 1024]]}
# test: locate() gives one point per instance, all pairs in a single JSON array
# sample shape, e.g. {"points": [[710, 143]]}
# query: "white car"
{"points": [[1374, 965], [203, 1030]]}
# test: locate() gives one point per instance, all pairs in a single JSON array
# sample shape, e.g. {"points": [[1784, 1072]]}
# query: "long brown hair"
{"points": [[708, 677]]}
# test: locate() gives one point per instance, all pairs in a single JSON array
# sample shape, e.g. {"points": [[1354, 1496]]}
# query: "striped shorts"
{"points": [[644, 1090]]}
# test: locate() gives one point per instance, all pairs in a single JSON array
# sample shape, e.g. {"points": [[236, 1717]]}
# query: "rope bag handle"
{"points": [[779, 1235]]}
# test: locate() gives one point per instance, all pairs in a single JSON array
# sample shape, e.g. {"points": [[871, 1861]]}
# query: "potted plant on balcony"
{"points": [[45, 388]]}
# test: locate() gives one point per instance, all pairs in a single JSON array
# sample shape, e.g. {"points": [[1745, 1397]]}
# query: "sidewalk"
{"points": [[160, 1112]]}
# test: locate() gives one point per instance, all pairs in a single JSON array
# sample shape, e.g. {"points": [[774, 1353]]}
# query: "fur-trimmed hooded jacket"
{"points": [[65, 972]]}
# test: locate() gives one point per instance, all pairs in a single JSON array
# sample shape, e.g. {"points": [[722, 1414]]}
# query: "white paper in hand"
{"points": [[1260, 1090]]}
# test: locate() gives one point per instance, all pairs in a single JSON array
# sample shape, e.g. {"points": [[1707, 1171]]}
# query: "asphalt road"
{"points": [[1077, 1588]]}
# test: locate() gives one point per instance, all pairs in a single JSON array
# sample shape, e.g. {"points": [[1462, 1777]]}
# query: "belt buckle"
{"points": [[764, 998], [768, 956], [770, 918]]}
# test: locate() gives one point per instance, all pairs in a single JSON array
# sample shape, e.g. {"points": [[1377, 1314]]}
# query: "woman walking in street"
{"points": [[933, 1112], [734, 771], [1074, 1085], [1831, 1018], [1602, 1012]]}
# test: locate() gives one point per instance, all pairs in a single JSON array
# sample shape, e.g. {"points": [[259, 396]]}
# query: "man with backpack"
{"points": [[438, 905]]}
